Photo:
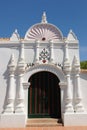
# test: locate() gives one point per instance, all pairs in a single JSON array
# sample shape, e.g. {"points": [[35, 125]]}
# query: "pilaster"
{"points": [[9, 108], [66, 51], [51, 51], [68, 91], [78, 95], [37, 52], [20, 95], [20, 91]]}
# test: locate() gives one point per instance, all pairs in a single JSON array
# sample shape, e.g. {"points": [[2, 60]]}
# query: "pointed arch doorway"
{"points": [[44, 96]]}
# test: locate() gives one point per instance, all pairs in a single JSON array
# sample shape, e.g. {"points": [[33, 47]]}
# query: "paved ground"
{"points": [[48, 128]]}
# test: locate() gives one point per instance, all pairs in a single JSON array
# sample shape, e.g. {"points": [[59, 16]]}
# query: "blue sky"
{"points": [[65, 14]]}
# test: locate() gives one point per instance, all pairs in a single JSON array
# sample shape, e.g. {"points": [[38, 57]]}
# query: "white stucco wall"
{"points": [[83, 81], [58, 55], [29, 54], [5, 54]]}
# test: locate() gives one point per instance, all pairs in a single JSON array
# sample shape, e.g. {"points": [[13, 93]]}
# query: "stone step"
{"points": [[43, 122]]}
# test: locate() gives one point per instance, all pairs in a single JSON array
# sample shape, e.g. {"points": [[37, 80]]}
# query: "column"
{"points": [[68, 94], [26, 86], [66, 51], [62, 85], [9, 108], [21, 54], [78, 95], [20, 95], [51, 51], [19, 108], [37, 52], [68, 91]]}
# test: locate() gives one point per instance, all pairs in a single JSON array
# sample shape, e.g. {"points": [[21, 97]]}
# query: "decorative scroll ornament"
{"points": [[44, 56]]}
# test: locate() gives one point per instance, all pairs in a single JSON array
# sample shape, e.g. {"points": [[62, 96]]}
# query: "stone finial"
{"points": [[71, 36], [15, 36], [44, 18], [11, 65], [16, 31]]}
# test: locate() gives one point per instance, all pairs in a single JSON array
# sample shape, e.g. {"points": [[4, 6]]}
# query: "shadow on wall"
{"points": [[83, 76], [6, 77]]}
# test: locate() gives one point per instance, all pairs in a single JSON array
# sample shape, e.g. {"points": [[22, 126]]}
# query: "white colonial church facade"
{"points": [[40, 77]]}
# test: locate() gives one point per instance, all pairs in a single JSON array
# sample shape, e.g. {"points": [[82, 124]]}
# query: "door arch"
{"points": [[44, 97]]}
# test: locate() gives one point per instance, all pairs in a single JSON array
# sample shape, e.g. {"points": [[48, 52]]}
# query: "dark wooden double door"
{"points": [[44, 96]]}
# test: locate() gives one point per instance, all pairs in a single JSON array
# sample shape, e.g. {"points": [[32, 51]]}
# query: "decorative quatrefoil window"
{"points": [[44, 55]]}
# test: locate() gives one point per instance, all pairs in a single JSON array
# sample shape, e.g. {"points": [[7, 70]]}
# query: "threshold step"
{"points": [[43, 122]]}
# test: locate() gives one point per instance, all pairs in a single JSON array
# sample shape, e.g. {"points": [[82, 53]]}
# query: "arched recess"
{"points": [[44, 96], [56, 71]]}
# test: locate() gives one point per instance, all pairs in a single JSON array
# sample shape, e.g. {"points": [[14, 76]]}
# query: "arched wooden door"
{"points": [[44, 96]]}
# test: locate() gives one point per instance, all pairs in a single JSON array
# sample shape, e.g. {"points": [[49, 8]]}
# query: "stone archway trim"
{"points": [[45, 67]]}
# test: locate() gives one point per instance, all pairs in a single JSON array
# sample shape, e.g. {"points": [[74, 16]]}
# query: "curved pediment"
{"points": [[43, 32]]}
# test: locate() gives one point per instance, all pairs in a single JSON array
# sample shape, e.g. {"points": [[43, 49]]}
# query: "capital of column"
{"points": [[21, 67], [37, 43], [67, 67], [63, 85], [11, 68], [51, 43], [26, 85], [76, 70], [76, 65]]}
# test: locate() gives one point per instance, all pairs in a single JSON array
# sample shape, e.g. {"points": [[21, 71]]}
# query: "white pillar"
{"points": [[9, 107], [51, 51], [66, 51], [37, 52], [67, 70], [21, 55], [62, 85], [19, 95], [19, 108], [68, 98], [78, 96]]}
